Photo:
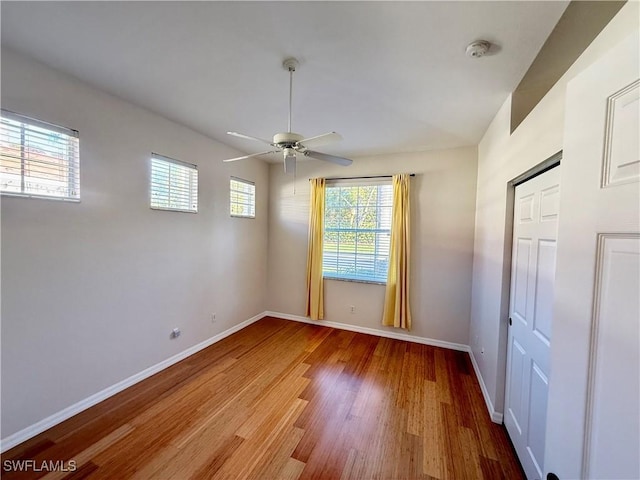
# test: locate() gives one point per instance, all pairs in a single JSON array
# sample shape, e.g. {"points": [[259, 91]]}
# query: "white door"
{"points": [[535, 230], [593, 428]]}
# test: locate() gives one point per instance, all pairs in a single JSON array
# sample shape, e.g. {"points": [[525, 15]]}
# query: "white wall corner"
{"points": [[59, 417], [496, 417]]}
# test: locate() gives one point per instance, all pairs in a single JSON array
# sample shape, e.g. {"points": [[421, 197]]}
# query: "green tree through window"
{"points": [[357, 231]]}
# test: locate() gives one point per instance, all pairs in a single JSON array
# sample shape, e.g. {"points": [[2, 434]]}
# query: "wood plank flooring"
{"points": [[286, 400]]}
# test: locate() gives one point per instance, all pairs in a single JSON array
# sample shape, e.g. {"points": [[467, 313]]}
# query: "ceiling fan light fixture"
{"points": [[289, 160]]}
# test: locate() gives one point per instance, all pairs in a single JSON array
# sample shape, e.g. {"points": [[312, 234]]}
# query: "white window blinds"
{"points": [[38, 159], [242, 198], [357, 226], [174, 185]]}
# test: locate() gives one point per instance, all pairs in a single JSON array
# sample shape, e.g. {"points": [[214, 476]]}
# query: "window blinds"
{"points": [[242, 198], [174, 185], [38, 159], [357, 229]]}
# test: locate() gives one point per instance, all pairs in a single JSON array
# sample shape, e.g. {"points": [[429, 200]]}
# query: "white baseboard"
{"points": [[496, 417], [46, 423], [372, 331]]}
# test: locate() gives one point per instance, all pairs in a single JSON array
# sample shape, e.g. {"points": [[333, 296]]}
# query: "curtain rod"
{"points": [[371, 176]]}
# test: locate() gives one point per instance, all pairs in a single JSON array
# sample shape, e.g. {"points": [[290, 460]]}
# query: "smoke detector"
{"points": [[479, 48]]}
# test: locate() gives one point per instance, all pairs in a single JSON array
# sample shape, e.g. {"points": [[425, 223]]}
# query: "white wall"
{"points": [[502, 157], [91, 290], [443, 206]]}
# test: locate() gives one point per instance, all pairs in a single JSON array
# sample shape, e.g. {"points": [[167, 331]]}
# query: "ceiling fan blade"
{"points": [[328, 158], [249, 137], [249, 156], [320, 140]]}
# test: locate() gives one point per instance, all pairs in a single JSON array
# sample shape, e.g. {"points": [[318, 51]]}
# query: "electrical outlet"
{"points": [[175, 333], [213, 318], [352, 309]]}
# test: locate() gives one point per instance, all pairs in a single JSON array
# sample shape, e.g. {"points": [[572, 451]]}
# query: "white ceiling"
{"points": [[388, 76]]}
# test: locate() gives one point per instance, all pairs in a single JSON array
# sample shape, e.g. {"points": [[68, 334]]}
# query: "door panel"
{"points": [[531, 306], [538, 401], [615, 362], [593, 411], [526, 209], [523, 257], [621, 163], [515, 409], [549, 204], [544, 289]]}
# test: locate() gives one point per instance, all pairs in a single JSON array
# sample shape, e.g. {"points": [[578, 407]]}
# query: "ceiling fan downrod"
{"points": [[290, 64]]}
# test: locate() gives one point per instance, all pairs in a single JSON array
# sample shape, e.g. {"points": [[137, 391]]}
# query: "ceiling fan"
{"points": [[292, 144]]}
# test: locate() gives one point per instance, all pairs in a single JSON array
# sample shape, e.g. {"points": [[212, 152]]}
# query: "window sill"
{"points": [[179, 210], [353, 280], [40, 197]]}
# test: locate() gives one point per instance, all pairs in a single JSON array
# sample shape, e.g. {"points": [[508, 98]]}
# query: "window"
{"points": [[242, 198], [357, 230], [38, 159], [174, 185]]}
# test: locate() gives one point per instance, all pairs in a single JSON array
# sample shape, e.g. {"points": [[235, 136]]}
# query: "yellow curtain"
{"points": [[315, 286], [396, 311]]}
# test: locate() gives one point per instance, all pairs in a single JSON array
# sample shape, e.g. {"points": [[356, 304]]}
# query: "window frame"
{"points": [[359, 183], [193, 169], [72, 162], [253, 196]]}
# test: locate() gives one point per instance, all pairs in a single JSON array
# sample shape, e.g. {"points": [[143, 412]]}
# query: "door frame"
{"points": [[503, 330]]}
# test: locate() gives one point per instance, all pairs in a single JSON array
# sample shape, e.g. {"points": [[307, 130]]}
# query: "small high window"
{"points": [[174, 185], [242, 198], [38, 159]]}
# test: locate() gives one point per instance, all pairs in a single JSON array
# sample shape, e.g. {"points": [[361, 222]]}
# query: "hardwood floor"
{"points": [[286, 400]]}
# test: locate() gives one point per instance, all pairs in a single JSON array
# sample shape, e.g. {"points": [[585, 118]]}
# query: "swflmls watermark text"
{"points": [[39, 466]]}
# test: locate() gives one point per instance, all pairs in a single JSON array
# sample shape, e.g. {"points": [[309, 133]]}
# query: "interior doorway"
{"points": [[535, 199]]}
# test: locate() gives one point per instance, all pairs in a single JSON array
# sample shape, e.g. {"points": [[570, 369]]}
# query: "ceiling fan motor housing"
{"points": [[287, 139]]}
